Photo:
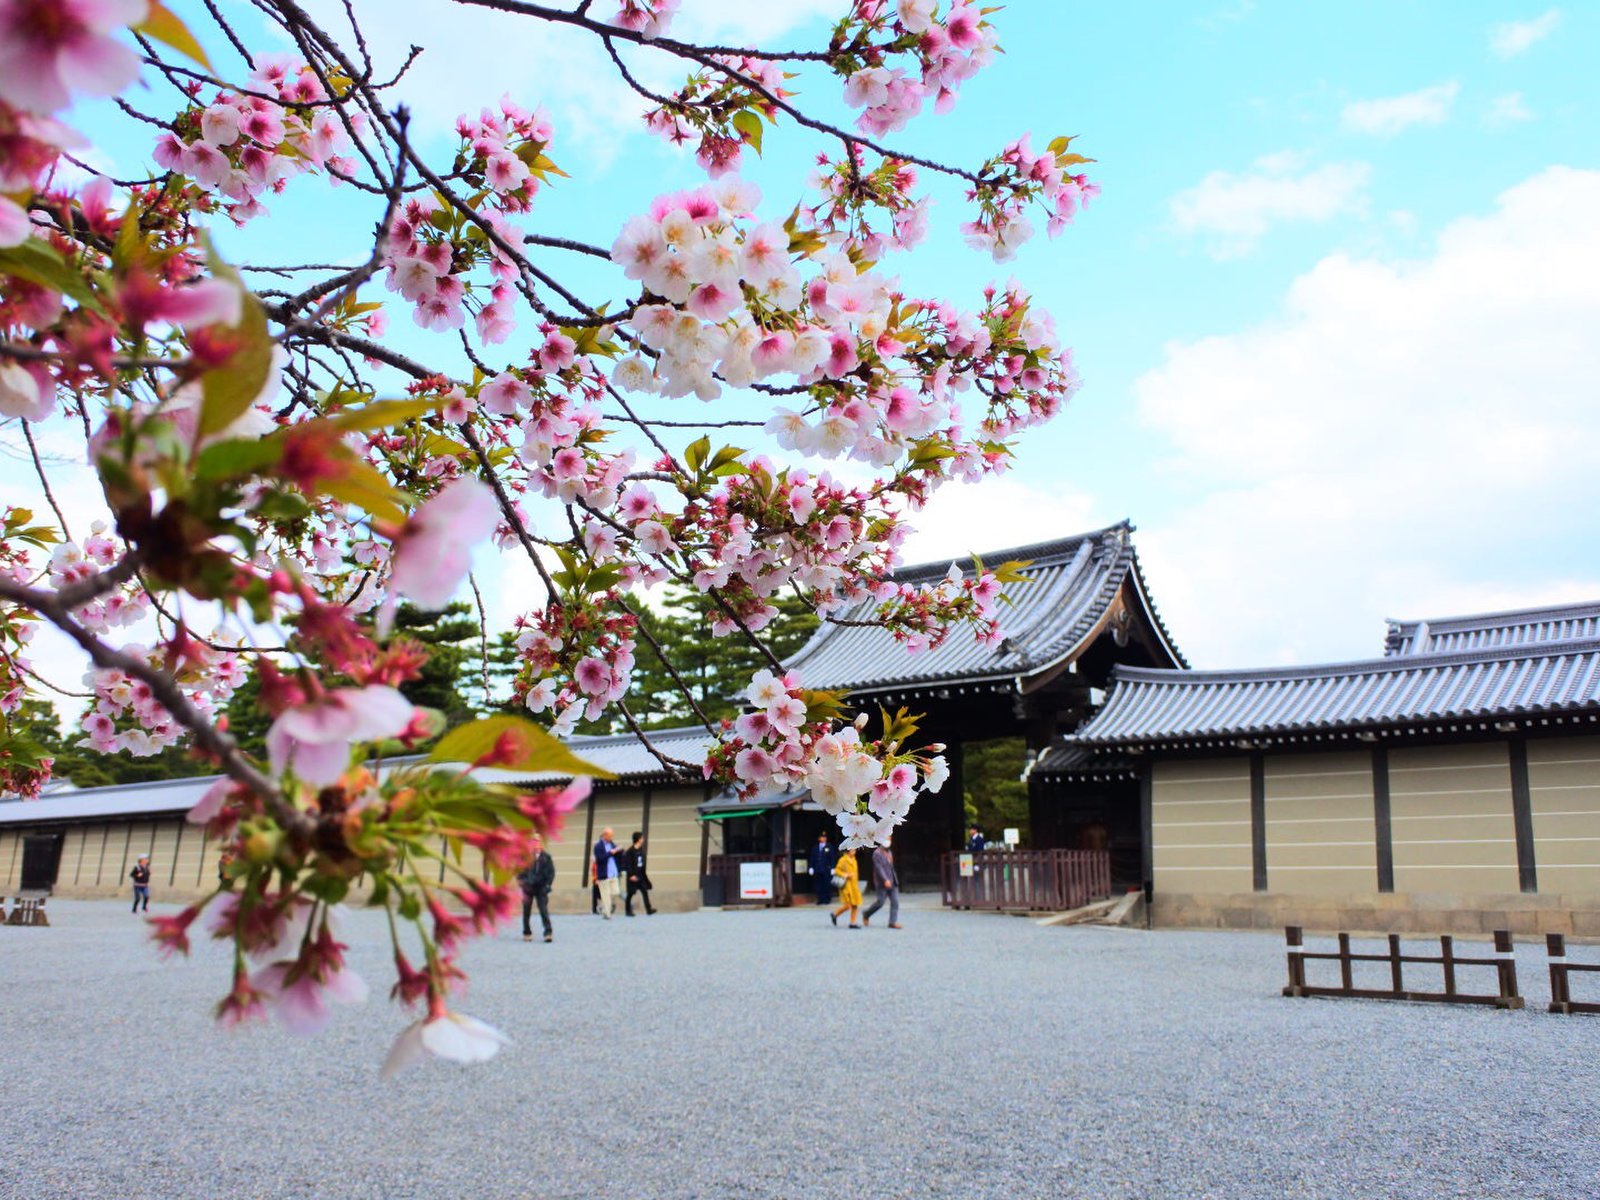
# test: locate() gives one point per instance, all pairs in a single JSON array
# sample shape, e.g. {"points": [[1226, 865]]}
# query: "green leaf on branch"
{"points": [[382, 414], [363, 486], [749, 125], [824, 706], [519, 744], [696, 453], [39, 262], [228, 391], [237, 457], [162, 26]]}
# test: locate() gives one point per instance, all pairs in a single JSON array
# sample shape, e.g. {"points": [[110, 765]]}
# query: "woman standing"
{"points": [[850, 890]]}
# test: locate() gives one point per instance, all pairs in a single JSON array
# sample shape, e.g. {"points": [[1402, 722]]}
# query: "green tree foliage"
{"points": [[996, 798], [451, 680]]}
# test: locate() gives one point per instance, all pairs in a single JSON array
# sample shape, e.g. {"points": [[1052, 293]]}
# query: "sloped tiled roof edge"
{"points": [[1075, 579], [1149, 707], [1513, 627]]}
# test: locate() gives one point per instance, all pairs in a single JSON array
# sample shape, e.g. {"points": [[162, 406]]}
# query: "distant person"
{"points": [[638, 881], [976, 842], [821, 859], [847, 878], [887, 884], [536, 881], [141, 883], [605, 872]]}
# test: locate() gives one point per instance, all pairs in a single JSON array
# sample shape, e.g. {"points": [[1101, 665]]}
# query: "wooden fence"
{"points": [[1504, 963], [26, 910], [1026, 880], [729, 867], [1561, 1000]]}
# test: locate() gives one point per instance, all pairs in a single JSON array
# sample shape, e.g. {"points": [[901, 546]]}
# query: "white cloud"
{"points": [[1509, 109], [1389, 115], [1237, 210], [1512, 38], [997, 514], [1407, 439]]}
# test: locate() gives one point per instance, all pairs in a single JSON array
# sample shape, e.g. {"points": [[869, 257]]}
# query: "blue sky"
{"points": [[1335, 310]]}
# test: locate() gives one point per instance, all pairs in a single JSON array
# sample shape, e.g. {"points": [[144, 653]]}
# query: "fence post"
{"points": [[1507, 969], [1447, 952], [1394, 964], [1345, 979], [1555, 945], [1293, 935]]}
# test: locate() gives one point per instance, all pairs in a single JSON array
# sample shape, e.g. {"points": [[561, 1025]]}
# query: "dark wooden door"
{"points": [[41, 855]]}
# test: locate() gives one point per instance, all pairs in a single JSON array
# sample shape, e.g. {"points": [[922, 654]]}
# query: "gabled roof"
{"points": [[1518, 627], [1522, 685], [1071, 584]]}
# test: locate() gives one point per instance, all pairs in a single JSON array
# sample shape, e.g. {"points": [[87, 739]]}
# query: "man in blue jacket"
{"points": [[605, 872], [822, 859]]}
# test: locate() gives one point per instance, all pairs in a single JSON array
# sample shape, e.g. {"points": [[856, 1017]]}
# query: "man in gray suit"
{"points": [[887, 885]]}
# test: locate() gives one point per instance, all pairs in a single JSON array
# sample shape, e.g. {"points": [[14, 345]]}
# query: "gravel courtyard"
{"points": [[767, 1054]]}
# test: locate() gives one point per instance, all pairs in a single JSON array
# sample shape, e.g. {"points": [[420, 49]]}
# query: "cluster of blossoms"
{"points": [[291, 959], [946, 49], [851, 191], [576, 658], [270, 511], [1014, 181], [243, 145], [433, 246], [781, 744], [648, 18], [721, 110]]}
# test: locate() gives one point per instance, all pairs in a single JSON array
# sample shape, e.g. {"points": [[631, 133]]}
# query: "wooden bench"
{"points": [[26, 910]]}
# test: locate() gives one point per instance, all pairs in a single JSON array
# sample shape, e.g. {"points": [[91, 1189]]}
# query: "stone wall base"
{"points": [[1373, 912]]}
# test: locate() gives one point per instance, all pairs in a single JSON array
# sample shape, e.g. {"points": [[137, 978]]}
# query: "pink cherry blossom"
{"points": [[432, 553], [50, 49], [314, 739]]}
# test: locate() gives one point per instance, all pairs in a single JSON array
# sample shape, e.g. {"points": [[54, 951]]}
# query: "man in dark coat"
{"points": [[537, 879], [886, 881], [638, 881], [975, 843], [822, 859]]}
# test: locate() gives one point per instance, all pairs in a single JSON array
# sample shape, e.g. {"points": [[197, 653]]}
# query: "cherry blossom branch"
{"points": [[44, 480], [166, 692]]}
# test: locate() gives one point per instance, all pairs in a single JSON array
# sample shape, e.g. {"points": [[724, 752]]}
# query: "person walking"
{"points": [[849, 874], [605, 872], [887, 884], [638, 881], [537, 878], [141, 882], [822, 858]]}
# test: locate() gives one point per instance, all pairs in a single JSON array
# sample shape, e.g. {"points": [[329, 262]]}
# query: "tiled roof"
{"points": [[1520, 684], [1063, 760], [621, 754], [1071, 583], [1446, 635]]}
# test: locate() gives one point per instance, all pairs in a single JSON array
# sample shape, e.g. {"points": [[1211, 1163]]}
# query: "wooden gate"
{"points": [[729, 867], [1027, 880]]}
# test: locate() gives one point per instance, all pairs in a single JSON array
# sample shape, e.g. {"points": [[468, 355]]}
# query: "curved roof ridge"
{"points": [[1040, 553], [1510, 616], [1358, 666]]}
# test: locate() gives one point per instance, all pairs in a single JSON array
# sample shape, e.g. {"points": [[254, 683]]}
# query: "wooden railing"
{"points": [[26, 910], [1504, 962], [1561, 1000], [728, 867], [1026, 880]]}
